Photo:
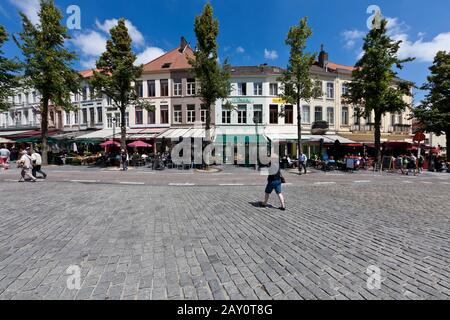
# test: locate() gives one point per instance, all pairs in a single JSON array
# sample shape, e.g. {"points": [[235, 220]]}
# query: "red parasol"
{"points": [[139, 144]]}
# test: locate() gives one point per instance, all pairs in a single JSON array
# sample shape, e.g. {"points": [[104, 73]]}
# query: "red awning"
{"points": [[109, 144]]}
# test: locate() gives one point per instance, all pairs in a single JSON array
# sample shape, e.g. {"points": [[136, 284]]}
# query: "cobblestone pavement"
{"points": [[211, 242]]}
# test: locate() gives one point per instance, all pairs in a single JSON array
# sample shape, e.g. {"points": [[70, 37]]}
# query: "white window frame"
{"points": [[273, 89], [190, 88], [258, 88], [330, 90], [177, 89], [177, 114], [190, 114]]}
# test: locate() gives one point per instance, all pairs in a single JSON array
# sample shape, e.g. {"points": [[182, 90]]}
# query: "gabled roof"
{"points": [[177, 59], [335, 66]]}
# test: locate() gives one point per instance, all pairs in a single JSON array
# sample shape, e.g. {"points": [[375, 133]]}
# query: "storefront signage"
{"points": [[278, 100], [240, 100]]}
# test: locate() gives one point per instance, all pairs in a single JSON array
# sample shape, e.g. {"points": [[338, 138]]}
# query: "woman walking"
{"points": [[274, 182]]}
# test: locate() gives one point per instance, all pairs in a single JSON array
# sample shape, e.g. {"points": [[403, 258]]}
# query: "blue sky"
{"points": [[252, 32]]}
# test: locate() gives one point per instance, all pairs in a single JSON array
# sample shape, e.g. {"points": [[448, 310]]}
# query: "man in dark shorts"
{"points": [[274, 183]]}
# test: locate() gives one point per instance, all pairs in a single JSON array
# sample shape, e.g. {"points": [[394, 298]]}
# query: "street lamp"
{"points": [[256, 121], [114, 121]]}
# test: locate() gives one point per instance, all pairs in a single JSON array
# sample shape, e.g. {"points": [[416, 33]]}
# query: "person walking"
{"points": [[421, 161], [25, 163], [302, 162], [37, 164], [274, 182], [399, 164], [124, 159], [4, 157]]}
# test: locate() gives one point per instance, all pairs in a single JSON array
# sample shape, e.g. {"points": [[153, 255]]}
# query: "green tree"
{"points": [[375, 86], [296, 80], [48, 63], [8, 74], [116, 74], [213, 78], [434, 111]]}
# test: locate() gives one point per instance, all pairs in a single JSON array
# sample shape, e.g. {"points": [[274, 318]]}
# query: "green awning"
{"points": [[34, 140], [223, 138]]}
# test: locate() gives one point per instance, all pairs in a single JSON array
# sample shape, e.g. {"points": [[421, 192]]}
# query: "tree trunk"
{"points": [[299, 135], [447, 136], [208, 123], [378, 137], [44, 130], [123, 128]]}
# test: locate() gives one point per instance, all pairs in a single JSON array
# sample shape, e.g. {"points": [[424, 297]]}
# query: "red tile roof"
{"points": [[86, 73], [173, 60], [335, 66]]}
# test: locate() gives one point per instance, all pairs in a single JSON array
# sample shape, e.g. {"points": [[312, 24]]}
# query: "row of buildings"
{"points": [[167, 83]]}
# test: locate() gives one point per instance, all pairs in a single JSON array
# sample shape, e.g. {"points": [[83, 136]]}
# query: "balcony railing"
{"points": [[401, 128], [363, 128]]}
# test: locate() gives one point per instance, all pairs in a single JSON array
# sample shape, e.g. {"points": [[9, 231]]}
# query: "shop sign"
{"points": [[241, 100], [278, 100]]}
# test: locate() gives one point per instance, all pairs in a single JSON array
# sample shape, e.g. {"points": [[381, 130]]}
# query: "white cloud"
{"points": [[90, 43], [149, 54], [88, 64], [135, 34], [270, 54], [350, 37], [424, 51], [29, 7], [419, 48], [240, 49]]}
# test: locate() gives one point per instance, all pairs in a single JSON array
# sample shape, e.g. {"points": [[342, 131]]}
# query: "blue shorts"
{"points": [[274, 185]]}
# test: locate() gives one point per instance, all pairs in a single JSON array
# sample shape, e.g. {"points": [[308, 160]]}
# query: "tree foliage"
{"points": [[296, 81], [116, 73], [375, 86], [434, 111], [213, 78], [47, 63], [9, 79]]}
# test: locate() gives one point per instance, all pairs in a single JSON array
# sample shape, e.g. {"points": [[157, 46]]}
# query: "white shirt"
{"points": [[36, 157], [27, 161]]}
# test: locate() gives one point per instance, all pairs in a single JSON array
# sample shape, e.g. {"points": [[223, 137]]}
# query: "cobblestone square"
{"points": [[163, 240]]}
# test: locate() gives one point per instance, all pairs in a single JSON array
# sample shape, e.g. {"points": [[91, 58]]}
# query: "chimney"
{"points": [[323, 57], [183, 44]]}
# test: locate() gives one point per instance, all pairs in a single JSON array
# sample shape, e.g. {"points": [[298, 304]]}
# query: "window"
{"points": [[108, 101], [191, 87], [258, 113], [76, 98], [75, 117], [320, 84], [368, 118], [242, 89], [164, 113], [139, 89], [67, 118], [242, 114], [273, 89], [190, 113], [151, 87], [139, 114], [226, 116], [330, 90], [203, 113], [84, 119], [35, 97], [356, 119], [318, 114], [273, 114], [400, 119], [127, 119], [393, 119], [84, 93], [92, 93], [306, 114], [330, 115], [177, 114], [258, 89], [92, 116], [289, 115], [99, 115], [151, 117], [19, 98], [177, 87], [344, 89], [164, 88], [109, 120], [345, 116]]}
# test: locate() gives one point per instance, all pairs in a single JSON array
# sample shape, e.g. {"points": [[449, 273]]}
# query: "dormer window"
{"points": [[166, 65]]}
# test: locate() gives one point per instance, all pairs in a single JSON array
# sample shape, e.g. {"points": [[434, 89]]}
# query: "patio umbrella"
{"points": [[4, 140], [139, 144], [109, 144], [75, 148]]}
